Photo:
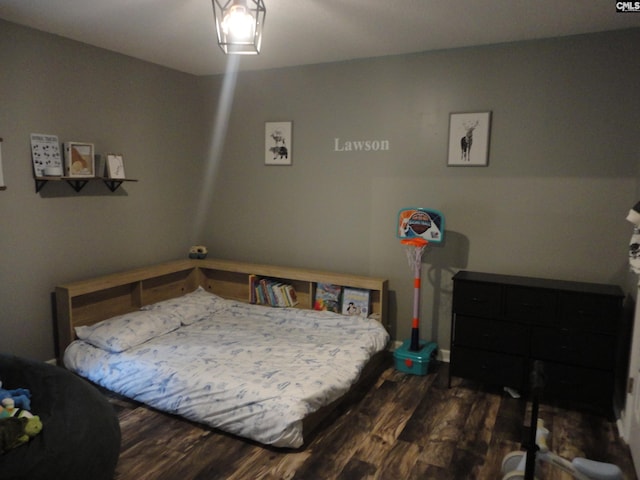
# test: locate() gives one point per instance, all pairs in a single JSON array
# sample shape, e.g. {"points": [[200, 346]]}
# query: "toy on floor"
{"points": [[414, 248], [20, 396], [17, 431], [523, 465], [417, 227], [514, 463]]}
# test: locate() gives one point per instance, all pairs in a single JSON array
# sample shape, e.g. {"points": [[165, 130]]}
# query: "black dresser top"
{"points": [[532, 282]]}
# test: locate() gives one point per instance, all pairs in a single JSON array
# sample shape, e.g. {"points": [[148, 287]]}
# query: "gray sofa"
{"points": [[80, 439]]}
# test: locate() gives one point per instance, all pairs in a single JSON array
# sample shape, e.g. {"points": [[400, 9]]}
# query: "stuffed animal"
{"points": [[21, 397], [8, 409], [16, 431]]}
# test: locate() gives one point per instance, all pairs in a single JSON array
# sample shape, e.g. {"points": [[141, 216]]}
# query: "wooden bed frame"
{"points": [[93, 300], [90, 301]]}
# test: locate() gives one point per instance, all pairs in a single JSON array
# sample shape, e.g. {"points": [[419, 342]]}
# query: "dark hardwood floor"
{"points": [[399, 427]]}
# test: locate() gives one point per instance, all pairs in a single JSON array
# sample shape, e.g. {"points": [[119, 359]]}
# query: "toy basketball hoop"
{"points": [[417, 227], [421, 222], [413, 248]]}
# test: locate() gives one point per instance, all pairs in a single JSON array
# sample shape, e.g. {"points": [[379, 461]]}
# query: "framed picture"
{"points": [[115, 166], [79, 159], [45, 154], [277, 143], [469, 139]]}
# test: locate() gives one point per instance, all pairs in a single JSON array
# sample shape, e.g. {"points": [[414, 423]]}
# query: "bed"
{"points": [[182, 338]]}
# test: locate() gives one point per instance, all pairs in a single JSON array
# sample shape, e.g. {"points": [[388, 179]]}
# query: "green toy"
{"points": [[17, 431]]}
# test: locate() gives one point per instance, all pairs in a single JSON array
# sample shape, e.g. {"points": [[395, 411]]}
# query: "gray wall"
{"points": [[81, 93], [561, 178]]}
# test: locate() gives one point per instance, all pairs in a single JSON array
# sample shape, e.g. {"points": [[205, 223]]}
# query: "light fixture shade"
{"points": [[239, 25]]}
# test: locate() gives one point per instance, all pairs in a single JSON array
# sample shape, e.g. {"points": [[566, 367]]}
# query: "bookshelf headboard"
{"points": [[90, 301]]}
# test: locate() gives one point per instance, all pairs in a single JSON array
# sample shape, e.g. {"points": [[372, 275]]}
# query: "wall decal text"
{"points": [[360, 145]]}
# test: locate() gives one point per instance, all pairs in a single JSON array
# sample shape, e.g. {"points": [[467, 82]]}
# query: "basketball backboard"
{"points": [[421, 222]]}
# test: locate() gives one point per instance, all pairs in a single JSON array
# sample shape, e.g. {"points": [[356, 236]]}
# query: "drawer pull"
{"points": [[478, 300]]}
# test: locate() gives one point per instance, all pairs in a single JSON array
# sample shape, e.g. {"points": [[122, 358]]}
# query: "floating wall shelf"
{"points": [[78, 183]]}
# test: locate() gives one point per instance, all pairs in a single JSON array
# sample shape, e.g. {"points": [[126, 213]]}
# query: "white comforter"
{"points": [[250, 370]]}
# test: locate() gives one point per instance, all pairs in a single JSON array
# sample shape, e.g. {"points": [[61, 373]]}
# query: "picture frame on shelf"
{"points": [[469, 139], [101, 168], [79, 160], [45, 155], [278, 142], [115, 166]]}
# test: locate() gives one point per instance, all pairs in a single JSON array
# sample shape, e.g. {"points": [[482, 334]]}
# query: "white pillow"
{"points": [[192, 307], [120, 333]]}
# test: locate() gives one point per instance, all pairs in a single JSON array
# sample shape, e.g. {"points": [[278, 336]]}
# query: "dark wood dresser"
{"points": [[501, 323]]}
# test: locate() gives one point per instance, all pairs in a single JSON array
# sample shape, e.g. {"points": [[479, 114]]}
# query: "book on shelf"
{"points": [[268, 291], [327, 297], [355, 301], [292, 297], [278, 293], [253, 296]]}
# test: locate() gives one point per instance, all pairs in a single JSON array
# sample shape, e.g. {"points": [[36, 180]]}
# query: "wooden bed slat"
{"points": [[168, 286], [231, 285]]}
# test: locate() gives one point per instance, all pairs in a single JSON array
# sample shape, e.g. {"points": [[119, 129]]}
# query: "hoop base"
{"points": [[415, 363]]}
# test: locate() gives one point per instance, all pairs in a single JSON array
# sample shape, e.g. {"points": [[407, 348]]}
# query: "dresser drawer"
{"points": [[589, 312], [507, 337], [573, 347], [580, 385], [531, 305], [478, 299], [488, 367], [501, 324]]}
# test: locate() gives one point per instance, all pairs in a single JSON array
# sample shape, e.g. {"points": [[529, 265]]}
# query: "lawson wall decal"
{"points": [[375, 145]]}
